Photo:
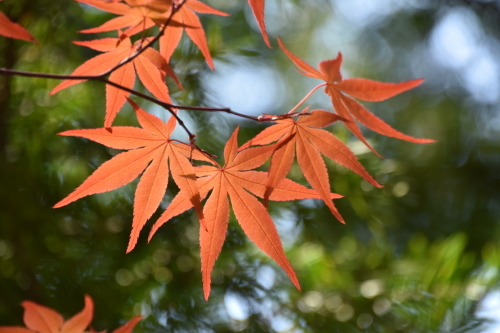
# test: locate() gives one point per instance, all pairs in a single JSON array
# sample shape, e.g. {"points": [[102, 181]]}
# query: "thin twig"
{"points": [[305, 98]]}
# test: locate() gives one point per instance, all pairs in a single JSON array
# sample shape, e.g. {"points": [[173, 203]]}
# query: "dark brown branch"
{"points": [[169, 107], [226, 110]]}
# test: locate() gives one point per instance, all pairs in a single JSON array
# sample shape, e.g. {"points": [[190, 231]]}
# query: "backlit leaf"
{"points": [[235, 184], [14, 30], [151, 146], [364, 89]]}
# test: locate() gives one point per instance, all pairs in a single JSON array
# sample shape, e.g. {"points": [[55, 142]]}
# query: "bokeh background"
{"points": [[420, 255]]}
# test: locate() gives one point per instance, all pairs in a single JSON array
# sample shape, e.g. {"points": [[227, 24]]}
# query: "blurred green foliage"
{"points": [[415, 256]]}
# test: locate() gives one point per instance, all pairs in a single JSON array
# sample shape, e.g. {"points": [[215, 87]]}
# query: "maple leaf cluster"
{"points": [[150, 65], [41, 319], [234, 184], [210, 187]]}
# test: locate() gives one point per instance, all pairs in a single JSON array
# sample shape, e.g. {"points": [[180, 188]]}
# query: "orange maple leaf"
{"points": [[364, 89], [235, 179], [41, 319], [304, 138], [150, 145], [135, 15], [258, 11], [14, 30], [149, 66], [192, 25]]}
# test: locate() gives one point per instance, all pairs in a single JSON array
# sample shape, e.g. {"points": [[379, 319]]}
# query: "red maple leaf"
{"points": [[364, 89], [258, 11], [150, 145], [236, 181], [303, 138], [190, 23], [14, 30], [149, 66], [41, 319]]}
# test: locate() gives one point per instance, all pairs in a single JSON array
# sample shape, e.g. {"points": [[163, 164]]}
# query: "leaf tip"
{"points": [[428, 141], [59, 204], [130, 247], [155, 227], [150, 235], [297, 285], [268, 43], [25, 304], [211, 64], [135, 106], [55, 90]]}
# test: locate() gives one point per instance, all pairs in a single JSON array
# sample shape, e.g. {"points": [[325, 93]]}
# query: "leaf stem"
{"points": [[306, 97]]}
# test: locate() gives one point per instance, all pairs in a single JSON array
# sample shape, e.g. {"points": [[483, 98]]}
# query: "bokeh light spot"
{"points": [[124, 277]]}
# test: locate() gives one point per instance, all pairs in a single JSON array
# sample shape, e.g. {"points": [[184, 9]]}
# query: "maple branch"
{"points": [[226, 110], [259, 119], [169, 107], [99, 78], [176, 6]]}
